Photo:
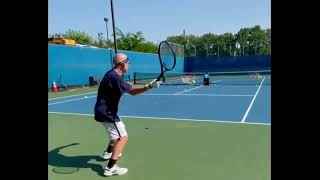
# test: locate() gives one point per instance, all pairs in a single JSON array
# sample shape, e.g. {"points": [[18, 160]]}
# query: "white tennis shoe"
{"points": [[115, 170]]}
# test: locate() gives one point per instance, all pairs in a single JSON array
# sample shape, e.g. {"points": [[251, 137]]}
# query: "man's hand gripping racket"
{"points": [[153, 84]]}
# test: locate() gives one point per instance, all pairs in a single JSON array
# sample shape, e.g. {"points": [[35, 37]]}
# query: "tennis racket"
{"points": [[167, 58]]}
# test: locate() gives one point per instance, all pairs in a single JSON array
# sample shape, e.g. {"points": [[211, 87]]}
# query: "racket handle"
{"points": [[160, 77]]}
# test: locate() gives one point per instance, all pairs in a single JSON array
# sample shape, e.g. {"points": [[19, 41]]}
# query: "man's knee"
{"points": [[113, 142]]}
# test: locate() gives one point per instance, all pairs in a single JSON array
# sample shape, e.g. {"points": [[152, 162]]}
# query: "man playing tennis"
{"points": [[110, 90]]}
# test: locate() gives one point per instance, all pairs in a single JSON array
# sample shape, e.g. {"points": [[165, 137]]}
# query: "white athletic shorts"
{"points": [[115, 130]]}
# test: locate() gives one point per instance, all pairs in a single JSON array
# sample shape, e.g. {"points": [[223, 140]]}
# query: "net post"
{"points": [[134, 77]]}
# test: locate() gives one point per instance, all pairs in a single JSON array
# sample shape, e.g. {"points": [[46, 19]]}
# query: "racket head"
{"points": [[167, 56]]}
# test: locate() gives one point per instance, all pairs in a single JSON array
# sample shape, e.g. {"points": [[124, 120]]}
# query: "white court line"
{"points": [[178, 119], [215, 81], [246, 114], [71, 100], [188, 90], [222, 95], [71, 96], [246, 95]]}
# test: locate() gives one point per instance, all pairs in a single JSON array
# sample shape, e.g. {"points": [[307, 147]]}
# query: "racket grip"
{"points": [[151, 84]]}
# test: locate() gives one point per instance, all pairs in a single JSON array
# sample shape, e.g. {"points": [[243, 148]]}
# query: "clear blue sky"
{"points": [[158, 19]]}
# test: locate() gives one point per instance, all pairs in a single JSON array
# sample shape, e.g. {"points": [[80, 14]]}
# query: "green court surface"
{"points": [[71, 92], [161, 150]]}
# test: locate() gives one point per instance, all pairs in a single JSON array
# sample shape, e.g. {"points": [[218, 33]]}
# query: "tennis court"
{"points": [[220, 131]]}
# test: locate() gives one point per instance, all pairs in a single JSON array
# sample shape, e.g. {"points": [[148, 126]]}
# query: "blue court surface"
{"points": [[249, 104]]}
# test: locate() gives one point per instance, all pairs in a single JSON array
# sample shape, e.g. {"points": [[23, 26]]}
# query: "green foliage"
{"points": [[79, 37], [247, 41]]}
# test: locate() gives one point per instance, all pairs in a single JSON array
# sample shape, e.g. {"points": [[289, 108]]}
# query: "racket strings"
{"points": [[167, 56]]}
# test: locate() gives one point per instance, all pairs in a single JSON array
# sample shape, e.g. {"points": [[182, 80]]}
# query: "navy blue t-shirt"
{"points": [[110, 90]]}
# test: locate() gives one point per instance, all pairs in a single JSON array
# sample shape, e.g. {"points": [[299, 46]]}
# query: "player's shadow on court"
{"points": [[59, 160]]}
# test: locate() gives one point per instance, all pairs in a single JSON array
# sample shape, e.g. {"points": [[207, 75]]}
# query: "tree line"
{"points": [[247, 41]]}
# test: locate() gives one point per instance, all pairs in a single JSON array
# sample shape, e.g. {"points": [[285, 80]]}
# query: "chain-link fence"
{"points": [[228, 49], [178, 49]]}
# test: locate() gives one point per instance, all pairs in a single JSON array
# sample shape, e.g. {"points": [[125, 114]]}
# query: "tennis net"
{"points": [[197, 78]]}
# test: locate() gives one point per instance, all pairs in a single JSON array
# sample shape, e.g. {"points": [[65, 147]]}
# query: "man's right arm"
{"points": [[135, 90]]}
